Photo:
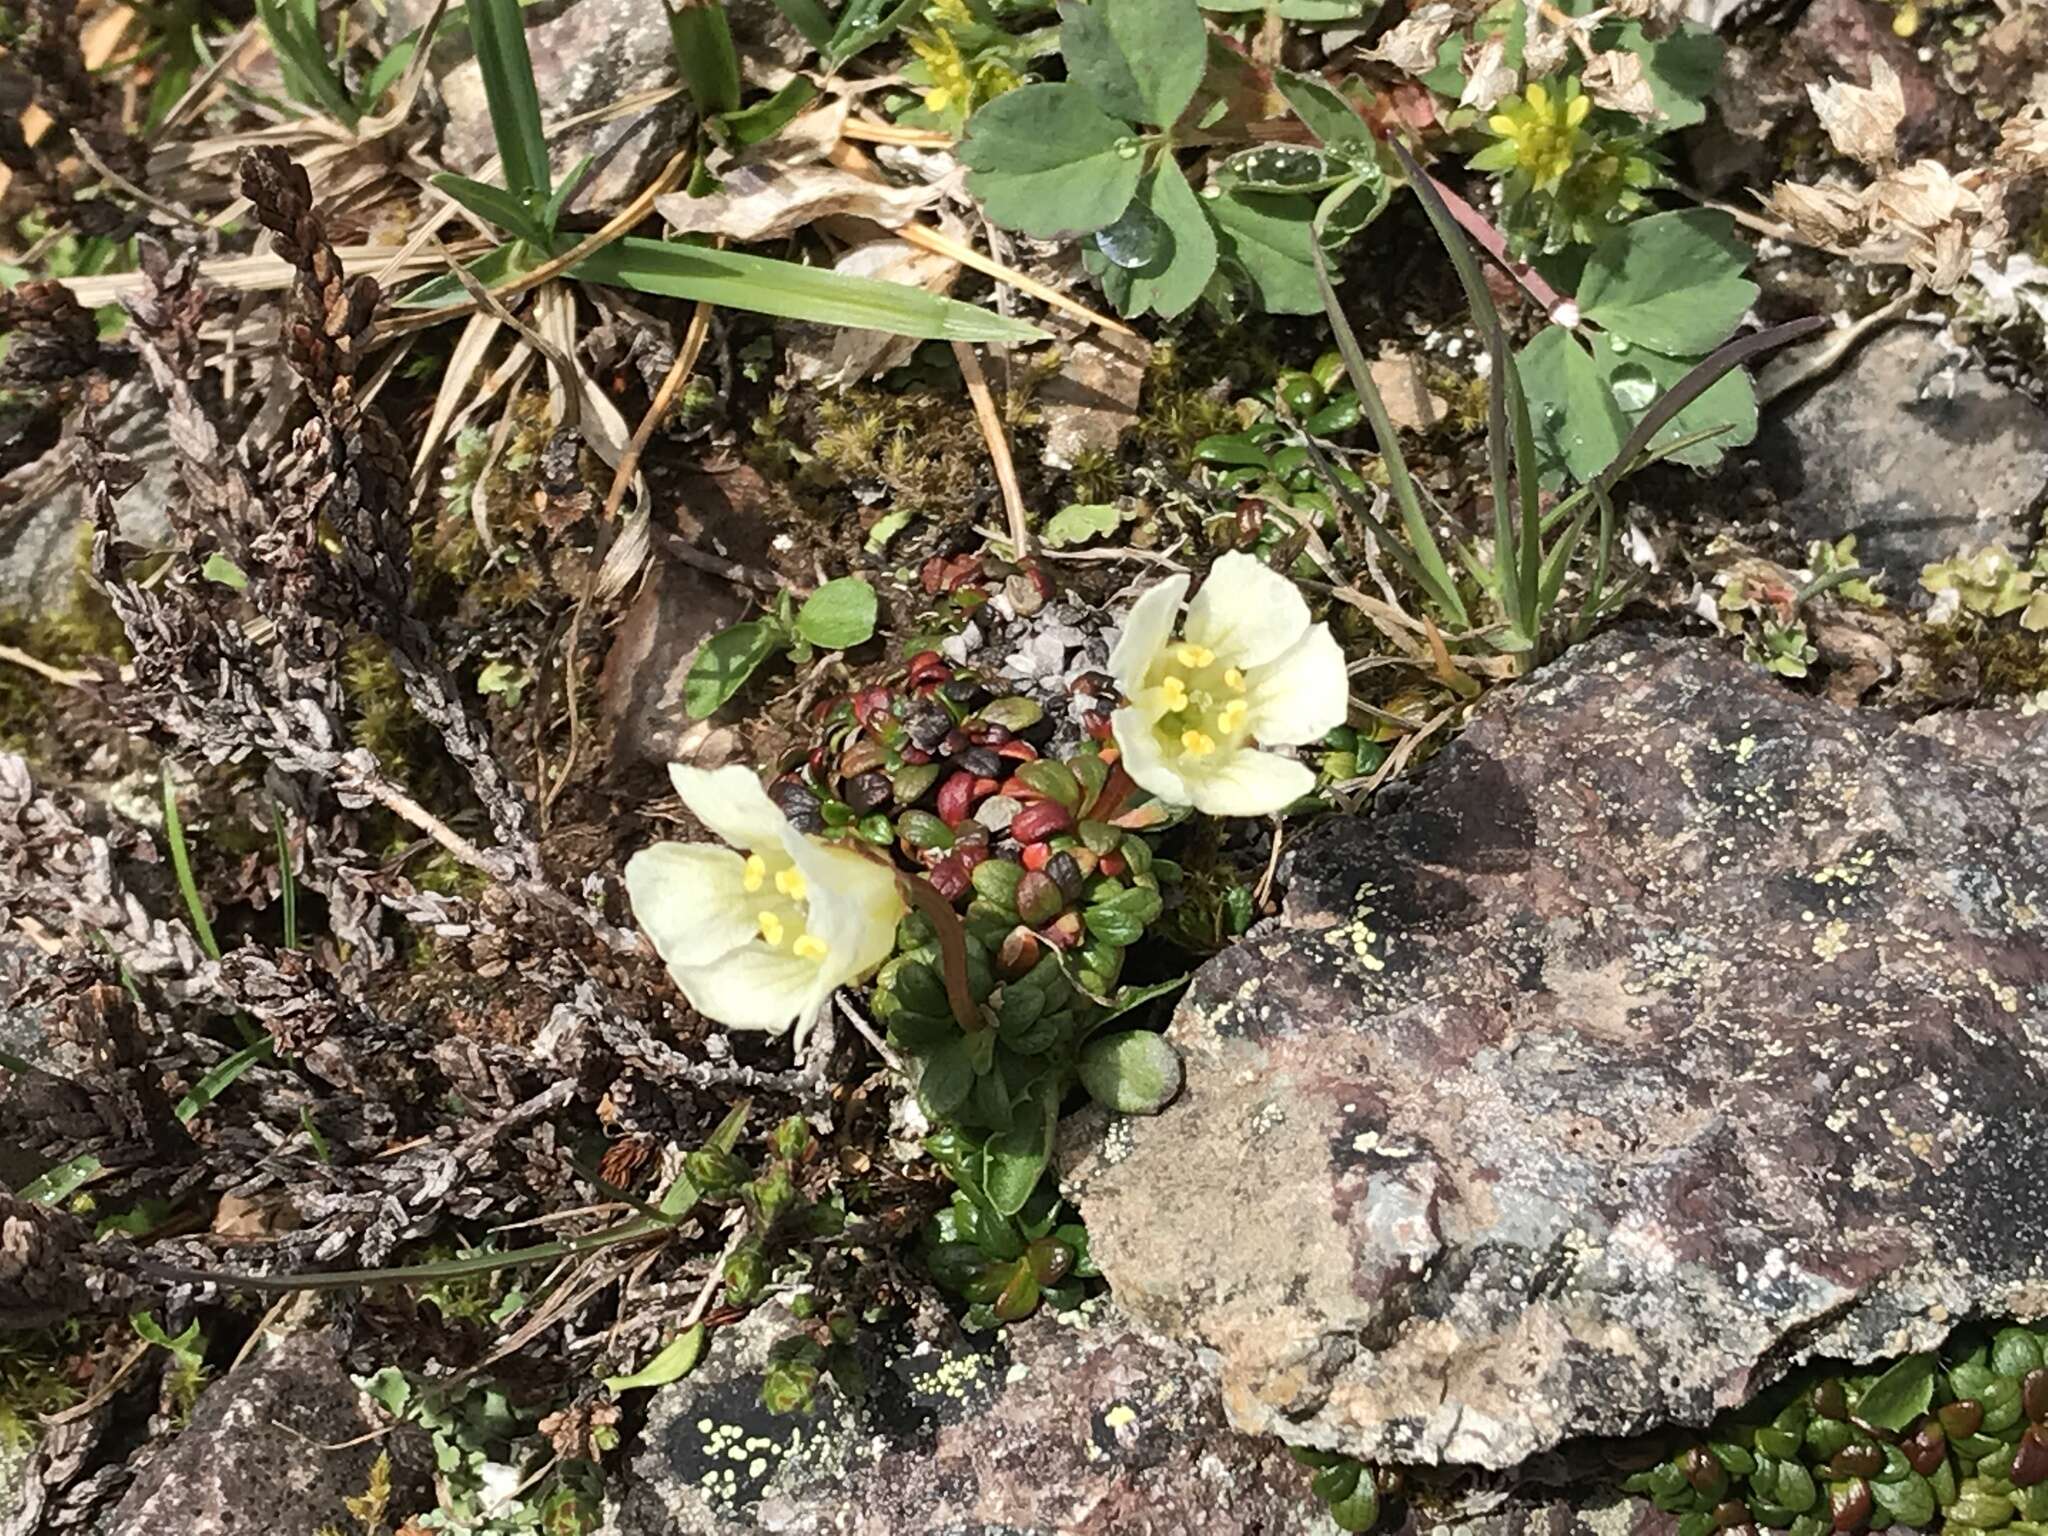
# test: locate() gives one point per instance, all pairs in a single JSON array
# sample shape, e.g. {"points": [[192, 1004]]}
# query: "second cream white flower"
{"points": [[1245, 669]]}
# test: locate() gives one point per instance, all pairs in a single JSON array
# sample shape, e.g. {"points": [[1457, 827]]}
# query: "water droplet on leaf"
{"points": [[1134, 240], [1633, 387]]}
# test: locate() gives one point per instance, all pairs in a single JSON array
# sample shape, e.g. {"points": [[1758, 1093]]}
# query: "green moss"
{"points": [[2008, 661], [36, 1378], [72, 632]]}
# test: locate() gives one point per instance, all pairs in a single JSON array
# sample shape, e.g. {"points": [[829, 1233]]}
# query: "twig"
{"points": [[991, 423], [713, 1280], [854, 1017], [734, 572], [1476, 224], [61, 676], [1795, 369], [889, 133]]}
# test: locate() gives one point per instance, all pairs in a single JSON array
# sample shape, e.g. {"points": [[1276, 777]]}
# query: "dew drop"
{"points": [[1127, 148], [1633, 387], [1134, 240]]}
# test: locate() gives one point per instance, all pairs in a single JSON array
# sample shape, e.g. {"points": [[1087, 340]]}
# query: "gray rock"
{"points": [[1916, 454], [1075, 1426], [257, 1454], [43, 517], [1675, 1029]]}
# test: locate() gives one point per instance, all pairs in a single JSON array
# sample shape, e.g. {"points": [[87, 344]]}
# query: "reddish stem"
{"points": [[1491, 241]]}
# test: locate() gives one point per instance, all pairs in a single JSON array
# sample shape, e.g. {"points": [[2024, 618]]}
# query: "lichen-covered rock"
{"points": [[277, 1445], [1074, 1426], [1675, 1028]]}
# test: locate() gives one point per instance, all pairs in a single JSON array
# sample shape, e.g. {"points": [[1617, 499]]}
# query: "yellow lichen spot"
{"points": [[1120, 1415], [771, 926], [809, 947], [791, 883], [1191, 655], [1234, 680], [1231, 717], [1196, 744], [756, 875]]}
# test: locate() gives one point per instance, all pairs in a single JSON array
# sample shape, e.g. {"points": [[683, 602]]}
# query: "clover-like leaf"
{"points": [[1182, 252], [1270, 235], [1140, 60], [839, 614], [1574, 417], [1046, 161], [724, 663], [1672, 282]]}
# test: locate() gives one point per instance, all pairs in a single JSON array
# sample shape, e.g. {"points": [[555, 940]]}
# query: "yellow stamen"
{"points": [[1195, 744], [771, 927], [791, 883], [809, 946], [1234, 680], [1176, 691], [1231, 716], [1194, 655], [757, 872]]}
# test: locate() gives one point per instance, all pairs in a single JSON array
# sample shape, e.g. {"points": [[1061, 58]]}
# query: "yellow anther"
{"points": [[1195, 744], [1191, 655], [771, 927], [1234, 680], [791, 883], [808, 946], [1176, 691], [757, 872], [1231, 716]]}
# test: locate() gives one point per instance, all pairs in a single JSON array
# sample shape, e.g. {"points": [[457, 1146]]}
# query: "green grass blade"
{"points": [[302, 60], [495, 206], [551, 215], [809, 18], [56, 1185], [385, 75], [222, 1078], [287, 882], [710, 69], [181, 866], [765, 286], [490, 269], [1437, 580], [514, 100], [1360, 508]]}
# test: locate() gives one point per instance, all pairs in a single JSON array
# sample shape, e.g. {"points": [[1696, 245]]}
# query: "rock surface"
{"points": [[255, 1456], [1917, 455], [1675, 1028], [1076, 1426]]}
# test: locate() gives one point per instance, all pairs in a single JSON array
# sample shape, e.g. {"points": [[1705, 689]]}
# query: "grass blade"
{"points": [[222, 1078], [1436, 577], [287, 882], [494, 205], [513, 98], [181, 866], [809, 18], [702, 39], [765, 286], [56, 1185], [302, 59]]}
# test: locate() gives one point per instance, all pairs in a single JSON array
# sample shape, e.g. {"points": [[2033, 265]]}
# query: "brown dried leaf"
{"points": [[1616, 81], [1411, 47], [1487, 79], [770, 201], [1862, 122], [1832, 217]]}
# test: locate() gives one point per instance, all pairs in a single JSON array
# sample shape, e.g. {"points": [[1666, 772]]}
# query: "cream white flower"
{"points": [[1247, 669], [761, 938]]}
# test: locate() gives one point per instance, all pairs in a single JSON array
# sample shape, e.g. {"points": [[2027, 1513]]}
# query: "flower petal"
{"points": [[1247, 783], [732, 803], [1147, 628], [1246, 612], [690, 901], [1300, 696], [855, 906], [753, 987], [1144, 759]]}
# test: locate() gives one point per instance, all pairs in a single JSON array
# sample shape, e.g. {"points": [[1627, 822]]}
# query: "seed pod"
{"points": [[1851, 1504], [2030, 1461], [1018, 954], [1961, 1418], [1706, 1475], [1927, 1446], [1039, 898], [1036, 823]]}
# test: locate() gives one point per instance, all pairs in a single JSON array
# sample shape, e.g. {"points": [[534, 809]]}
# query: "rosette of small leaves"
{"points": [[1963, 1446], [1355, 1492], [781, 1215], [1281, 495], [1004, 1266]]}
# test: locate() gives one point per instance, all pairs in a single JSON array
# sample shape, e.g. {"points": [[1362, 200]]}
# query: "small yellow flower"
{"points": [[1540, 133], [760, 941], [952, 86], [1247, 670]]}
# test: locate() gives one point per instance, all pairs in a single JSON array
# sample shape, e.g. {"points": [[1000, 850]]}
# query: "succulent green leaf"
{"points": [[1135, 1072], [838, 615], [1078, 523], [1672, 282], [724, 663], [1140, 60], [675, 1361], [1048, 162]]}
